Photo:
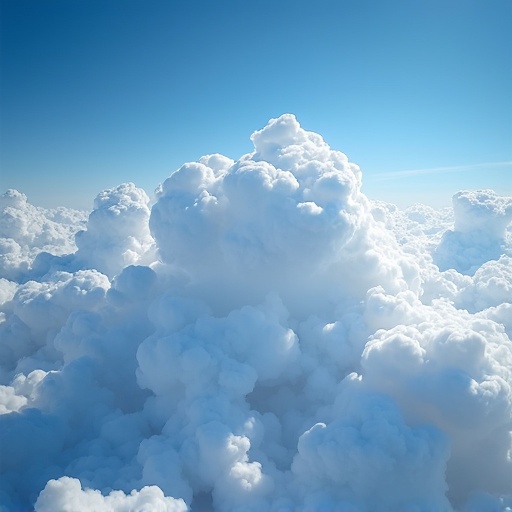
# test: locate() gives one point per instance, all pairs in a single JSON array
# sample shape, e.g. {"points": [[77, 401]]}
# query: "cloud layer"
{"points": [[263, 338]]}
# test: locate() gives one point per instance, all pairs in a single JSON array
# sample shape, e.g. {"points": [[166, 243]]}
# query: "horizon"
{"points": [[94, 94]]}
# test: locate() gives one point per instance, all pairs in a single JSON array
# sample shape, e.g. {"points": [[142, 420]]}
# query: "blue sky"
{"points": [[95, 93]]}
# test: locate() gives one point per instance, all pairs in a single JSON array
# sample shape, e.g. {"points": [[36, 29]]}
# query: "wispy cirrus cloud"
{"points": [[393, 175]]}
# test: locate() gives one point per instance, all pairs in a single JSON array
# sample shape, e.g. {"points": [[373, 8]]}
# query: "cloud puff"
{"points": [[452, 370], [479, 233], [26, 231], [67, 494], [117, 231], [263, 338], [369, 457]]}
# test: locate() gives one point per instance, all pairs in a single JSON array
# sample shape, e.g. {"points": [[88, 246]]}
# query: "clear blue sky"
{"points": [[97, 92]]}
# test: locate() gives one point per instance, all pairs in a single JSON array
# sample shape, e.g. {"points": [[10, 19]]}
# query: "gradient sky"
{"points": [[95, 93]]}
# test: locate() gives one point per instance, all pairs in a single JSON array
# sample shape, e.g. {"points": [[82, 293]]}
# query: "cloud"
{"points": [[371, 458], [479, 233], [66, 493], [263, 338], [394, 175], [246, 228], [26, 231], [117, 233]]}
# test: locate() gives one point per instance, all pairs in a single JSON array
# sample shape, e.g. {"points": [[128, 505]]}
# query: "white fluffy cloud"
{"points": [[117, 233], [263, 338], [292, 207], [26, 231], [479, 233], [66, 494]]}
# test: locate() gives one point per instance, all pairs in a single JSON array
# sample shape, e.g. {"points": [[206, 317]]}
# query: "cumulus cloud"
{"points": [[66, 494], [117, 233], [479, 233], [369, 457], [26, 231], [263, 338], [293, 206]]}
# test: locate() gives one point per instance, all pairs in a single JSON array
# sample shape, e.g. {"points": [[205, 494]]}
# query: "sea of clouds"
{"points": [[264, 338]]}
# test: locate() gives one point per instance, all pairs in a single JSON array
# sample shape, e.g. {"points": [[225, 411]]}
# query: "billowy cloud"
{"points": [[264, 338]]}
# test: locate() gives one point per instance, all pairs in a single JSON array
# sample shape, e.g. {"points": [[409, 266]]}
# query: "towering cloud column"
{"points": [[288, 217]]}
